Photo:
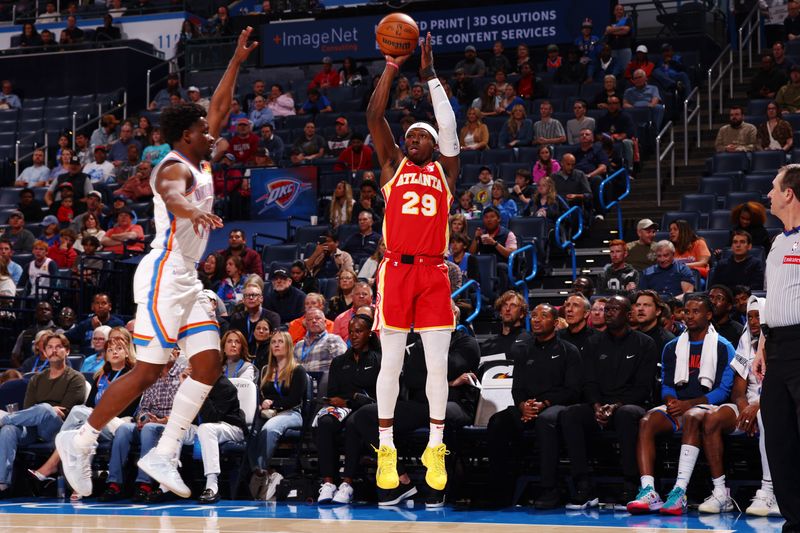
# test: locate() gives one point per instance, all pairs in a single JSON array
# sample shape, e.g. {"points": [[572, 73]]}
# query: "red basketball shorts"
{"points": [[413, 295]]}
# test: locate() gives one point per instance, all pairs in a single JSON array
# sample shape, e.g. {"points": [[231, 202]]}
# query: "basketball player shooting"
{"points": [[414, 290], [172, 309]]}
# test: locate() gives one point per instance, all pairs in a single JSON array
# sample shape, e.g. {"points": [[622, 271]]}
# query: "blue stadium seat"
{"points": [[528, 154], [495, 157], [9, 195], [470, 157], [58, 100], [560, 149], [472, 225], [732, 199], [757, 107], [527, 228], [794, 120], [758, 183], [309, 234], [716, 239], [507, 171], [32, 113], [702, 203], [719, 186], [719, 219], [770, 160], [730, 162], [279, 252], [564, 90], [469, 173], [328, 287], [795, 157], [692, 217], [772, 221], [345, 231], [7, 137], [487, 266]]}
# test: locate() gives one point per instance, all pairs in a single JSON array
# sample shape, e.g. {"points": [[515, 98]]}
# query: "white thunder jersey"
{"points": [[177, 235]]}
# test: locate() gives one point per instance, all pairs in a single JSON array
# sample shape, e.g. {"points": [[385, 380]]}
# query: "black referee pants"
{"points": [[578, 425], [780, 412]]}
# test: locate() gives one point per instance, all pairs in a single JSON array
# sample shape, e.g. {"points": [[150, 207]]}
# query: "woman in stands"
{"points": [[236, 355], [370, 266], [351, 385], [302, 279], [775, 133], [502, 201], [119, 359], [501, 82], [63, 164], [341, 209], [458, 224], [90, 227], [509, 101], [30, 37], [344, 296], [156, 149], [280, 103], [232, 287], [95, 361], [63, 143], [545, 203], [689, 248], [143, 130], [466, 205], [402, 92], [283, 386], [517, 131], [351, 74], [474, 134], [488, 102], [212, 271], [751, 217], [545, 165], [259, 346]]}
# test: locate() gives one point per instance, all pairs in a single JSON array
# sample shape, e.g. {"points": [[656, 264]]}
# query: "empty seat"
{"points": [[692, 217], [732, 199], [730, 162], [33, 113], [769, 160], [527, 228], [761, 184], [714, 185], [507, 171], [716, 239], [528, 154], [757, 107], [470, 157], [279, 252], [495, 157], [773, 221], [719, 219], [58, 101], [309, 234], [469, 173], [701, 203]]}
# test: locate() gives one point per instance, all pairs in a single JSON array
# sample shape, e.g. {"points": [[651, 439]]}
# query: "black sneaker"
{"points": [[435, 499], [112, 493], [141, 493], [156, 496], [548, 499], [387, 498], [628, 495], [583, 499]]}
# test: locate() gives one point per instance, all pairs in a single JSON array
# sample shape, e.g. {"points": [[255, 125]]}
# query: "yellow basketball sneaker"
{"points": [[433, 459], [386, 476]]}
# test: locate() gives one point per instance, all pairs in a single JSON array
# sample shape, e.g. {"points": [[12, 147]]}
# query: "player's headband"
{"points": [[427, 127]]}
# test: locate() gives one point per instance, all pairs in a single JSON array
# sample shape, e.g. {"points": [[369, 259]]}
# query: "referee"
{"points": [[778, 348]]}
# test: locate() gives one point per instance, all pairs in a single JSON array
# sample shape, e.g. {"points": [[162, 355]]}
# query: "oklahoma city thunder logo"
{"points": [[281, 193]]}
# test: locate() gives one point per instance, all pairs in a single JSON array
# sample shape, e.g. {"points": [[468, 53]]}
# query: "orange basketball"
{"points": [[397, 34]]}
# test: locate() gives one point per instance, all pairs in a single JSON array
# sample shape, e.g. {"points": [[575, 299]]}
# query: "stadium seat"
{"points": [[794, 120], [345, 231], [732, 199], [692, 217], [507, 171], [487, 266], [729, 162], [470, 157], [719, 219], [469, 173], [718, 186], [528, 154], [761, 184], [560, 149], [527, 228], [766, 161], [716, 239], [757, 107], [702, 203], [58, 101], [9, 195], [472, 225], [279, 252], [495, 157], [309, 234], [328, 287], [772, 221]]}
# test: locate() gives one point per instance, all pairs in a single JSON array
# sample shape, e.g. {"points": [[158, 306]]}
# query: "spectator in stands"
{"points": [[368, 200], [548, 130], [352, 74], [526, 84], [310, 143], [79, 182], [62, 251], [82, 148], [502, 201], [100, 171], [244, 144], [89, 227], [545, 165], [609, 90], [639, 62], [341, 209], [695, 373], [157, 148], [369, 268], [29, 206], [722, 301], [472, 65], [212, 271], [467, 263], [259, 89], [402, 92], [509, 101], [71, 34], [741, 295], [62, 165], [271, 142], [363, 244], [488, 103], [297, 327], [259, 348], [572, 184], [667, 276], [474, 134], [523, 56], [501, 80], [234, 115], [252, 311], [194, 97], [357, 156], [768, 80], [341, 137], [49, 398], [689, 248], [119, 150], [326, 78], [547, 379], [141, 132], [231, 290], [522, 191], [137, 187], [498, 59], [327, 260], [544, 202], [670, 72], [50, 14], [162, 98], [236, 356], [619, 35], [81, 334], [588, 44], [21, 239], [775, 133], [591, 159], [106, 133], [552, 60], [94, 205], [223, 25], [95, 361], [318, 348], [604, 65], [580, 122], [281, 104], [572, 69], [482, 191], [646, 316], [751, 217], [125, 236], [616, 387], [458, 224], [107, 32], [643, 94], [37, 360], [512, 309], [618, 276], [36, 175], [493, 238], [127, 168], [29, 37], [738, 135], [619, 126], [781, 61], [788, 97], [791, 24], [465, 206], [740, 267], [260, 114], [7, 253], [417, 106], [49, 43], [284, 299], [49, 234], [576, 313], [518, 130]]}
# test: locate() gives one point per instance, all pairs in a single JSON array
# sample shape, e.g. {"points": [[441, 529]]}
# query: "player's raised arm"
{"points": [[223, 95], [389, 154], [171, 186], [449, 146]]}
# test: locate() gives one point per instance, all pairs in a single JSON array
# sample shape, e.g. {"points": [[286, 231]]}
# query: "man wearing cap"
{"points": [[341, 137], [100, 170], [286, 300], [21, 239], [737, 135], [36, 175], [162, 97], [80, 182], [473, 66], [106, 133], [262, 159], [244, 144], [357, 156], [260, 114], [640, 251], [640, 61], [271, 142], [642, 94], [482, 191], [195, 98], [94, 205], [116, 238], [119, 150], [587, 42], [137, 187], [788, 97], [310, 142], [325, 78]]}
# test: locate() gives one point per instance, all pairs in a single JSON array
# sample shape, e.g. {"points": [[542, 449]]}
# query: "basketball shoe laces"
{"points": [[436, 458]]}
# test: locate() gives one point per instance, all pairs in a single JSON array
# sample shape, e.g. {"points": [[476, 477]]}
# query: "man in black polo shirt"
{"points": [[512, 309], [576, 313], [618, 369], [740, 268], [547, 377], [647, 313], [722, 299], [364, 243]]}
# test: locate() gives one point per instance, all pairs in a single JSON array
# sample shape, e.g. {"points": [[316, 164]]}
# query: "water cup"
{"points": [[314, 220], [12, 408]]}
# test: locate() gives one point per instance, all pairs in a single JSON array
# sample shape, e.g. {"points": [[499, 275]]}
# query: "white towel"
{"points": [[708, 359], [746, 350]]}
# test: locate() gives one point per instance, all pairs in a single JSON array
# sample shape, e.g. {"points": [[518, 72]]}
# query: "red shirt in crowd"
{"points": [[244, 148]]}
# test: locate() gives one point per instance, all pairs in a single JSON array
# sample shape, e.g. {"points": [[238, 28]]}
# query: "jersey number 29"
{"points": [[411, 206]]}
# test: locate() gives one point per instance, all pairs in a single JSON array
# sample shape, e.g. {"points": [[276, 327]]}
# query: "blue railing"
{"points": [[616, 203], [521, 285], [570, 243], [464, 288]]}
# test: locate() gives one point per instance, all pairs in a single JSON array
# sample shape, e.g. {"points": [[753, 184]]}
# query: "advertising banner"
{"points": [[278, 193], [534, 23]]}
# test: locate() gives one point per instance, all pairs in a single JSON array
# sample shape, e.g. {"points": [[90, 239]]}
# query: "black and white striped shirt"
{"points": [[782, 281]]}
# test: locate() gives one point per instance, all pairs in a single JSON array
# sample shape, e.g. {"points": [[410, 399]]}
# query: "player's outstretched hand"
{"points": [[243, 49], [205, 221], [426, 61]]}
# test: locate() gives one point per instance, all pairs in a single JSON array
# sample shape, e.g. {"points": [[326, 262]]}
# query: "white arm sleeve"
{"points": [[445, 118]]}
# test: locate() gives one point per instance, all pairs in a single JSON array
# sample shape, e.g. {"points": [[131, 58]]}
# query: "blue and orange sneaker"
{"points": [[676, 502]]}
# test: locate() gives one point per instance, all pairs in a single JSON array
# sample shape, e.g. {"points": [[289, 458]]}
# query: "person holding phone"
{"points": [[327, 260]]}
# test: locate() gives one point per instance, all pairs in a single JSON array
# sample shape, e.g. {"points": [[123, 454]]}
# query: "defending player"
{"points": [[414, 290], [172, 308]]}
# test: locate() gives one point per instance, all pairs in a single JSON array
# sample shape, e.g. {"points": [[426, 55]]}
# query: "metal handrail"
{"points": [[570, 243], [752, 23], [522, 284], [687, 117], [668, 150], [717, 82], [616, 202], [463, 288]]}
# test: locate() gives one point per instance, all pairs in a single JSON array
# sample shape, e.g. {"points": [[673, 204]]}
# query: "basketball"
{"points": [[397, 34]]}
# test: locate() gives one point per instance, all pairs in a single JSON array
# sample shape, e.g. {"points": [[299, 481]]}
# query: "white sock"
{"points": [[766, 486], [386, 437], [648, 481], [87, 436], [719, 485], [436, 435], [188, 400], [393, 350], [211, 482], [686, 463], [766, 475]]}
